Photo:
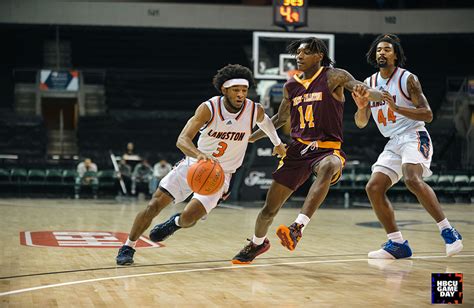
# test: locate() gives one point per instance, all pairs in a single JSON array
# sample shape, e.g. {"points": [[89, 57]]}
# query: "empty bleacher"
{"points": [[22, 135]]}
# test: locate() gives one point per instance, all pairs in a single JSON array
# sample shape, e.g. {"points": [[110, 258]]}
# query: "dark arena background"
{"points": [[86, 80]]}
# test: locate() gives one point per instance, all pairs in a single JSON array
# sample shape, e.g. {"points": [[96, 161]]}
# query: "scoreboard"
{"points": [[290, 13]]}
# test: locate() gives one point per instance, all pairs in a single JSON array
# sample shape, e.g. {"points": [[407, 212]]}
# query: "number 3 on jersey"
{"points": [[390, 116], [220, 150]]}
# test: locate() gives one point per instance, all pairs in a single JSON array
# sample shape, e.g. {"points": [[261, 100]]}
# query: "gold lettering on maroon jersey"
{"points": [[297, 100], [312, 97], [308, 97]]}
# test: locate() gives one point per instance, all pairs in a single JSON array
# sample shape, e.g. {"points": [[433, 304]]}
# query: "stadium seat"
{"points": [[4, 176], [445, 181], [36, 177], [463, 190], [19, 175], [54, 180], [445, 188], [54, 177], [361, 180], [432, 180], [69, 177], [107, 180], [461, 181], [347, 180]]}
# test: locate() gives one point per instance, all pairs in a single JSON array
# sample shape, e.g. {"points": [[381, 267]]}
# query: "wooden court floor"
{"points": [[329, 268]]}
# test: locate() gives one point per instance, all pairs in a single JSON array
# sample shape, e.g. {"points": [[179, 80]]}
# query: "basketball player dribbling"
{"points": [[314, 104], [400, 117], [225, 124]]}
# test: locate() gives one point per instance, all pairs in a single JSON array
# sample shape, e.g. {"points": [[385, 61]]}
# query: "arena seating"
{"points": [[448, 187], [22, 135], [50, 181]]}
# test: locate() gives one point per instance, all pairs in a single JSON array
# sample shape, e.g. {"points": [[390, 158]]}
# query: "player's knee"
{"points": [[329, 167], [414, 183], [373, 188], [156, 204]]}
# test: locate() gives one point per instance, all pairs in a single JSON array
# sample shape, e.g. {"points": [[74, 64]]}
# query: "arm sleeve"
{"points": [[269, 129]]}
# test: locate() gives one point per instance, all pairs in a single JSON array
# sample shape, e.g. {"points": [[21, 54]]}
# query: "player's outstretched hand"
{"points": [[279, 150], [360, 94]]}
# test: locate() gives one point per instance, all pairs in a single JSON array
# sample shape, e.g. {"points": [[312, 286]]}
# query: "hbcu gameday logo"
{"points": [[446, 288], [81, 239]]}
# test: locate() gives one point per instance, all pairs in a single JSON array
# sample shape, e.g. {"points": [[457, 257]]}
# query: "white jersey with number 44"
{"points": [[391, 123], [226, 135]]}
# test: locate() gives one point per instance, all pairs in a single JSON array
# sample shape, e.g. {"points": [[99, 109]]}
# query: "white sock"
{"points": [[444, 224], [130, 243], [396, 237], [258, 240], [176, 221], [302, 219]]}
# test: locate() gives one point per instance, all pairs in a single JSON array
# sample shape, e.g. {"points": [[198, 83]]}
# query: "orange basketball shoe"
{"points": [[290, 236]]}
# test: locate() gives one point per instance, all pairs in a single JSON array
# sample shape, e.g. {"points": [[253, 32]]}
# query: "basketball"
{"points": [[205, 177]]}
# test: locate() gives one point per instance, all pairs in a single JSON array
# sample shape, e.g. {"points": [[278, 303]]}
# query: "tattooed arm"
{"points": [[339, 78], [422, 112]]}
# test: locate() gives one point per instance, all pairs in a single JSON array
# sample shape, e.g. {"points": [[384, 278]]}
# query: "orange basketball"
{"points": [[205, 177]]}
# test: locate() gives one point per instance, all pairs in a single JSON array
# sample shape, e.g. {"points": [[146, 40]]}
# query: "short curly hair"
{"points": [[232, 71]]}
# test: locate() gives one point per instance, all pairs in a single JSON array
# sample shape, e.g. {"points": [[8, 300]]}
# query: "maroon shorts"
{"points": [[295, 168]]}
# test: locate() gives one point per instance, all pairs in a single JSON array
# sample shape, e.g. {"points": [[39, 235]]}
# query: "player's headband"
{"points": [[236, 82]]}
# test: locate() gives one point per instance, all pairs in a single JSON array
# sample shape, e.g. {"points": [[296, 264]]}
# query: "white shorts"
{"points": [[176, 184], [413, 147]]}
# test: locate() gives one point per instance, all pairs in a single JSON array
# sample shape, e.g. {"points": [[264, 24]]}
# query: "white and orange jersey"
{"points": [[391, 123], [226, 134]]}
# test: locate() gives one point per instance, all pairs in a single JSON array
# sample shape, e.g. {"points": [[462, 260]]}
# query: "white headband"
{"points": [[236, 82]]}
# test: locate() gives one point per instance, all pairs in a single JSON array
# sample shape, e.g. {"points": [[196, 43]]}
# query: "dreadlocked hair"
{"points": [[232, 71], [397, 47], [316, 45]]}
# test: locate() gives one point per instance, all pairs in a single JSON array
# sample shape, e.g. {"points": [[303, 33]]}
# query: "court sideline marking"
{"points": [[203, 270]]}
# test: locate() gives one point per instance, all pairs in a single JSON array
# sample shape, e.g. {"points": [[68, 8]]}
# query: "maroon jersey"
{"points": [[315, 113]]}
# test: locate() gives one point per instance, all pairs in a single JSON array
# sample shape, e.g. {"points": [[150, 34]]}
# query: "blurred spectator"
{"points": [[125, 173], [160, 170], [142, 175], [130, 154], [86, 176]]}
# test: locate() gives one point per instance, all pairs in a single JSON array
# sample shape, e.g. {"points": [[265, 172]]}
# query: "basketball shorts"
{"points": [[414, 147], [176, 184], [295, 168]]}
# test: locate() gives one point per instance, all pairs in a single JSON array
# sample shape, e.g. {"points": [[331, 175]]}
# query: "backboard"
{"points": [[270, 58]]}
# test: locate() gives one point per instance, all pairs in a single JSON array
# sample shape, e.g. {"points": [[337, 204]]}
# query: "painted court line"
{"points": [[234, 267], [231, 206]]}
